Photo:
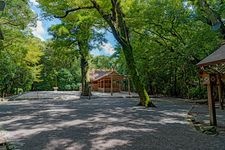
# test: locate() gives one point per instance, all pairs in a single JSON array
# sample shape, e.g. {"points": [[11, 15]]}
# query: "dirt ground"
{"points": [[64, 121]]}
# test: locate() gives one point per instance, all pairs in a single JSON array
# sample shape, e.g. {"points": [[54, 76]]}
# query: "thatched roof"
{"points": [[99, 74], [216, 57], [96, 74]]}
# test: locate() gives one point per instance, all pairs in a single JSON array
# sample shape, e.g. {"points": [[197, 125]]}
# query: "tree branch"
{"points": [[73, 10], [10, 23], [108, 19]]}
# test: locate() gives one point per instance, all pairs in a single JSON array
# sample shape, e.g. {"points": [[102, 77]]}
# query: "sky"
{"points": [[42, 25]]}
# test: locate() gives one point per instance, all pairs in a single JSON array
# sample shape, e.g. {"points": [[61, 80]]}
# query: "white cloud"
{"points": [[34, 2], [107, 48], [38, 31]]}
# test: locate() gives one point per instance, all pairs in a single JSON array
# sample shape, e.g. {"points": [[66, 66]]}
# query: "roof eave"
{"points": [[210, 63]]}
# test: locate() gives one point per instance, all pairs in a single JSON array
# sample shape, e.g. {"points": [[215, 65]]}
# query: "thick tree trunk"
{"points": [[144, 98], [84, 76], [120, 31], [85, 81]]}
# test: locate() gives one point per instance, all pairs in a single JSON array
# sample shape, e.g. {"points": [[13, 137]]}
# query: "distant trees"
{"points": [[20, 52], [20, 65], [60, 67], [101, 62]]}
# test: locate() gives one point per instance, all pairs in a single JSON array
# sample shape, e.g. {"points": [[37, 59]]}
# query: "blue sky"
{"points": [[42, 25]]}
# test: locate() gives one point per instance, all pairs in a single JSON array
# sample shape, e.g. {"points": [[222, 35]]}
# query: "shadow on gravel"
{"points": [[106, 123]]}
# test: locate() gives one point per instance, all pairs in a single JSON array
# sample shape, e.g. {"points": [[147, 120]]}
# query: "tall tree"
{"points": [[83, 39], [20, 51], [171, 41], [79, 35], [113, 14]]}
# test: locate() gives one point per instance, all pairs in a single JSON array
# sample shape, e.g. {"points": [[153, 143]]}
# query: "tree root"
{"points": [[149, 105]]}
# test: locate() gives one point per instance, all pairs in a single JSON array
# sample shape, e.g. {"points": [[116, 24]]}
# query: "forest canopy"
{"points": [[160, 42]]}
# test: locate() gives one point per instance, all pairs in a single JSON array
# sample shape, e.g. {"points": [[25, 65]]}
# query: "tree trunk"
{"points": [[144, 98], [84, 76], [84, 53], [120, 31], [175, 93]]}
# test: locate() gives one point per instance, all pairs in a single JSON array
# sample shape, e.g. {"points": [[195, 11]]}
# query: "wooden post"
{"points": [[128, 85], [37, 95], [119, 85], [89, 91], [103, 85], [98, 85], [211, 100], [222, 102], [220, 91], [111, 85]]}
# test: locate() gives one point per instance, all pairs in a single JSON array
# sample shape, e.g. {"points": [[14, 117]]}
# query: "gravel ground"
{"points": [[102, 123], [201, 114]]}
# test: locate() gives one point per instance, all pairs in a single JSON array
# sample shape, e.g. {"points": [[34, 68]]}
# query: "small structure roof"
{"points": [[216, 57], [99, 74]]}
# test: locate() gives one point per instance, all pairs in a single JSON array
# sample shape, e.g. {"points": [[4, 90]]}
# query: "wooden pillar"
{"points": [[211, 100], [103, 85], [98, 85], [111, 89], [119, 85], [128, 85], [89, 91], [220, 91]]}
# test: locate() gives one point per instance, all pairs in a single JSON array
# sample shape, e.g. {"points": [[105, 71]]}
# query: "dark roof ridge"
{"points": [[216, 57]]}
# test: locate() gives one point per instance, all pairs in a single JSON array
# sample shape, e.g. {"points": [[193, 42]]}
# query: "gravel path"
{"points": [[201, 114], [102, 123]]}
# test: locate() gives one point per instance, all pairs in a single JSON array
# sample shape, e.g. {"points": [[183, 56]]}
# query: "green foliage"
{"points": [[197, 92], [76, 33], [17, 15], [168, 43], [167, 38], [20, 52], [101, 62], [20, 64], [60, 68], [66, 80]]}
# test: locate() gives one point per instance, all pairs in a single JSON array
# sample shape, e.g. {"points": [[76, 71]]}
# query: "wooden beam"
{"points": [[211, 99]]}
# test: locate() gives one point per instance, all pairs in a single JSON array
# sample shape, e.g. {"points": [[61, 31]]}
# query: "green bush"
{"points": [[67, 87], [197, 93]]}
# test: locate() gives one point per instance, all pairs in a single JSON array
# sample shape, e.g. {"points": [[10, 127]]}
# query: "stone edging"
{"points": [[200, 126]]}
